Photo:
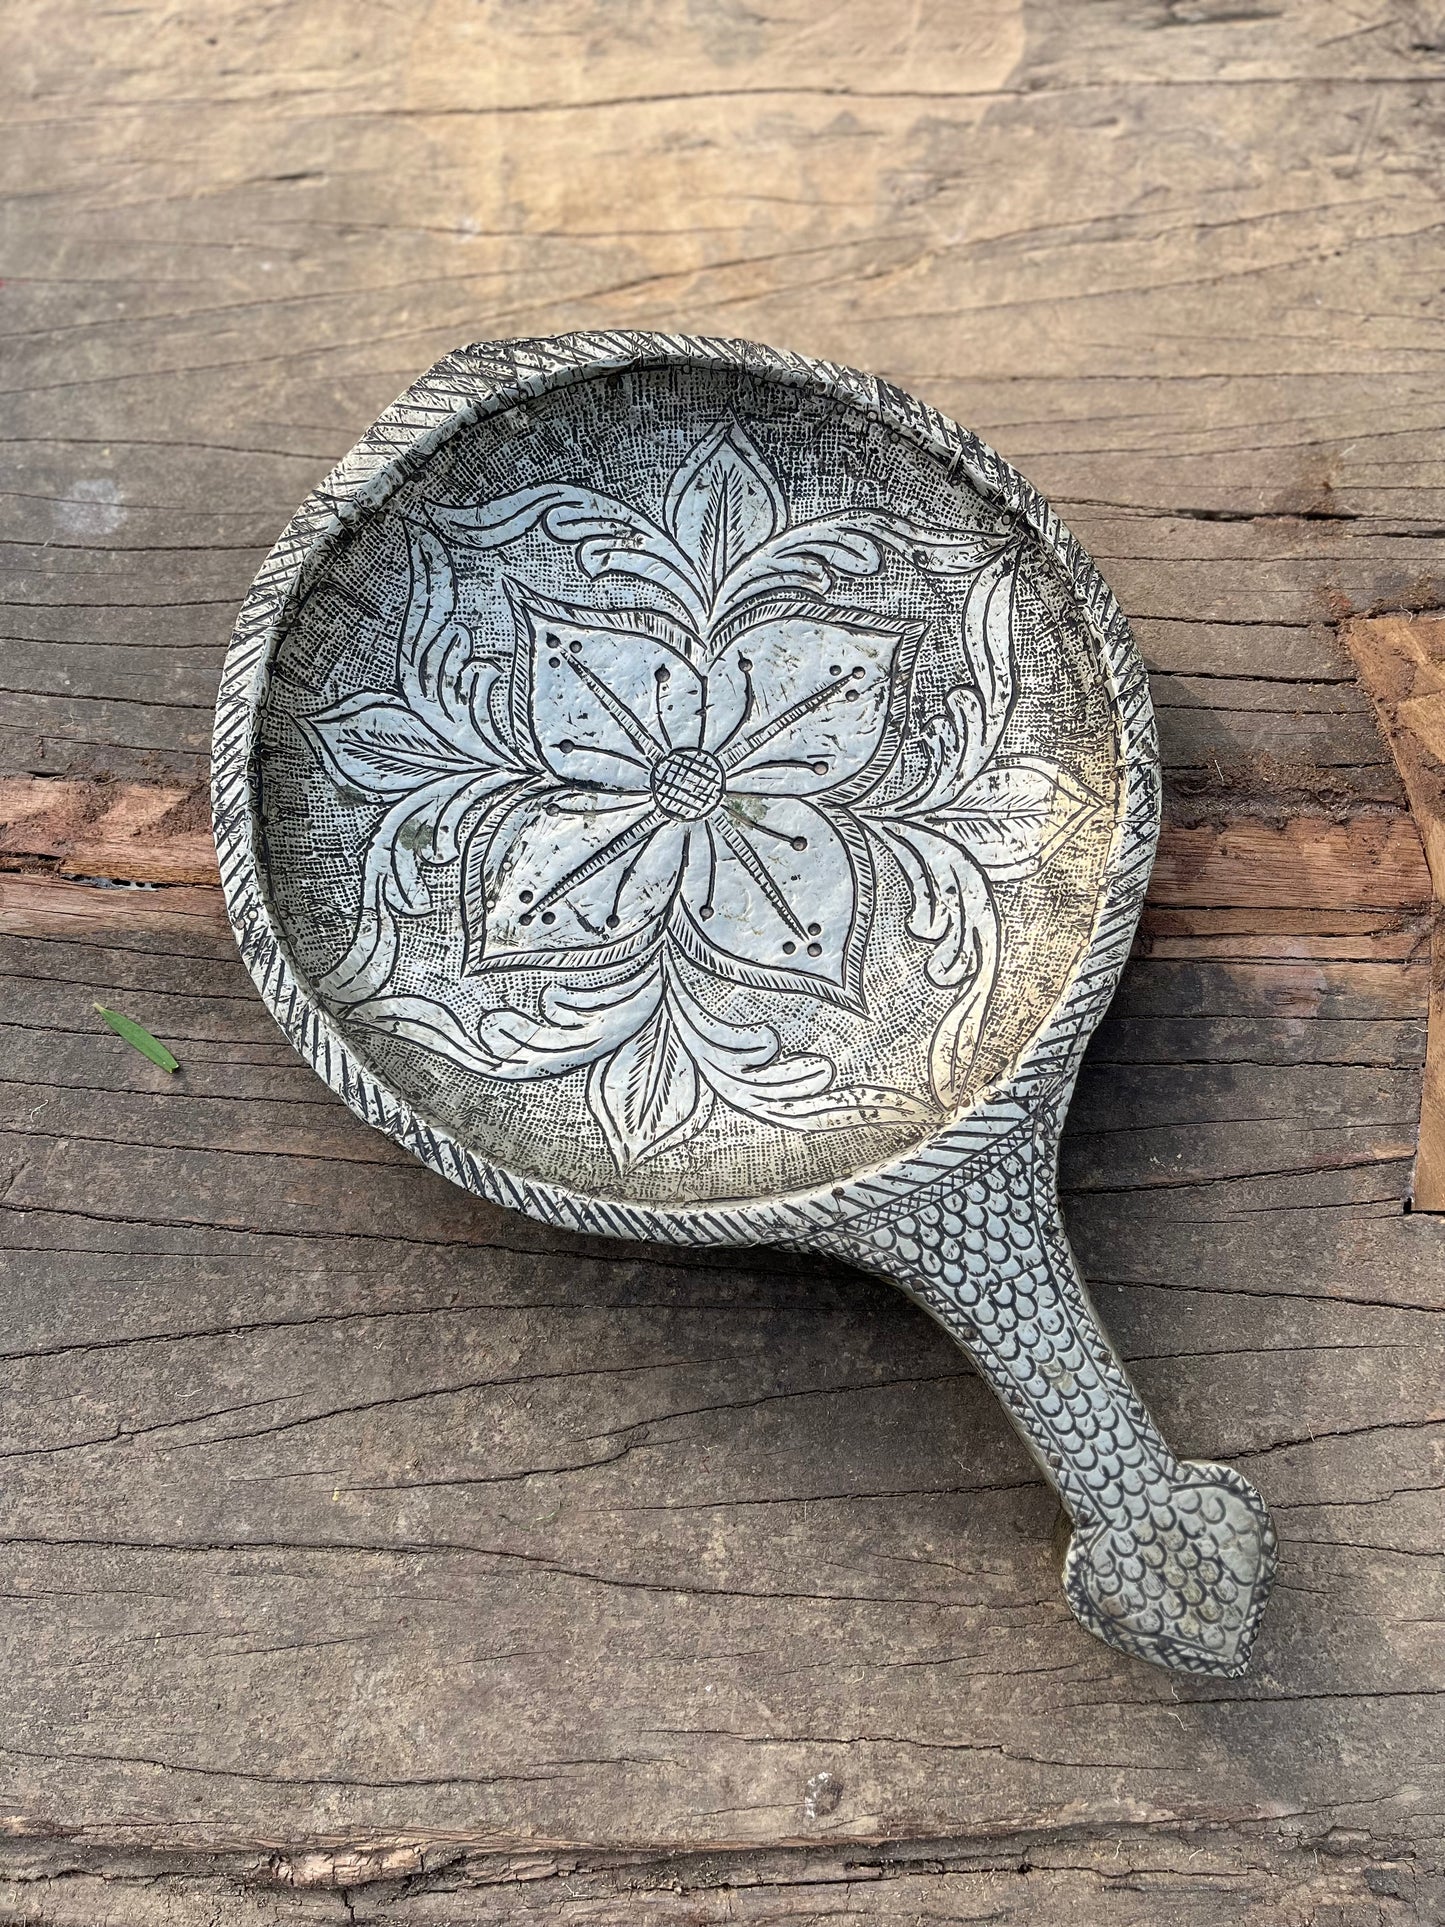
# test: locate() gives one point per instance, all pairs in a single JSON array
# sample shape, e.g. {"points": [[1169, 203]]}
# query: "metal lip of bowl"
{"points": [[486, 380]]}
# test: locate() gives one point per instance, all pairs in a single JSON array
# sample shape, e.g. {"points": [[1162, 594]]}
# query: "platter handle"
{"points": [[1171, 1560]]}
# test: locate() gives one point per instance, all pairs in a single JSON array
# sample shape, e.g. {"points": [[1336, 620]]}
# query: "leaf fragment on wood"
{"points": [[139, 1038]]}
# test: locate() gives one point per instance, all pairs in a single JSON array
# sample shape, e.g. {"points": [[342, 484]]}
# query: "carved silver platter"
{"points": [[687, 791]]}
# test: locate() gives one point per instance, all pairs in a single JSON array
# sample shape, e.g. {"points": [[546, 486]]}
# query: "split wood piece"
{"points": [[160, 833], [123, 832], [42, 906], [1401, 660]]}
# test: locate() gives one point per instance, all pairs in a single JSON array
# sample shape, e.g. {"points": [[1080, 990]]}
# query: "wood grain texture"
{"points": [[367, 1554]]}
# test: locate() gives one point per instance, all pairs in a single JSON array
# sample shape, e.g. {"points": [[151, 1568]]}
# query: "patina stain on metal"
{"points": [[691, 792]]}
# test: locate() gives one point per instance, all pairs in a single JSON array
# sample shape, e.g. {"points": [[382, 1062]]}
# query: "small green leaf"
{"points": [[139, 1037]]}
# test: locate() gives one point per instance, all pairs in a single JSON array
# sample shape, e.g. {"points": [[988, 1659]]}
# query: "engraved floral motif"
{"points": [[637, 806]]}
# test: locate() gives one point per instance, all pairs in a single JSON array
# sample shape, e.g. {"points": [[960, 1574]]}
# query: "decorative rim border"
{"points": [[486, 379]]}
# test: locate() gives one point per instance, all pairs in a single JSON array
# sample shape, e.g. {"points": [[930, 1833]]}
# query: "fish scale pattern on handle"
{"points": [[1171, 1560]]}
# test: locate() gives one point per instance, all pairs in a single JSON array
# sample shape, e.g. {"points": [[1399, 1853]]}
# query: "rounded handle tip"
{"points": [[1182, 1581]]}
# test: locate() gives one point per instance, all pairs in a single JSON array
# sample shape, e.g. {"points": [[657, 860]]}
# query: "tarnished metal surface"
{"points": [[687, 791]]}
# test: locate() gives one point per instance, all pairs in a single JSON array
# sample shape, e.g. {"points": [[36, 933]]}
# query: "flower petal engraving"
{"points": [[433, 647], [723, 503], [953, 910], [576, 1025], [610, 538], [813, 556], [608, 701], [393, 884], [748, 1069], [648, 1095], [947, 749], [685, 787], [380, 749], [572, 1029], [1015, 815], [779, 895], [801, 704], [951, 899], [807, 560], [574, 875]]}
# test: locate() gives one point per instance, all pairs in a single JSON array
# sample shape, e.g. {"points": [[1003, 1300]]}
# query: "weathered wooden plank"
{"points": [[32, 905], [1373, 862], [1133, 1879], [1241, 933], [353, 1524], [1359, 1042], [422, 1550]]}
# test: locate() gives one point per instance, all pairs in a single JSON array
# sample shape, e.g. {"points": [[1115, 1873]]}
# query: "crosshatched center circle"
{"points": [[685, 787], [688, 784]]}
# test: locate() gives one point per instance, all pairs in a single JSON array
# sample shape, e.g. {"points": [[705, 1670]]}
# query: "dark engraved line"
{"points": [[788, 762], [568, 748], [733, 752], [637, 732], [659, 683], [628, 872], [766, 829], [749, 704], [644, 827], [707, 902], [753, 864], [676, 890]]}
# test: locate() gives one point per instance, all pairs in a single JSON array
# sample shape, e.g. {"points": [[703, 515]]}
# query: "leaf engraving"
{"points": [[648, 1094], [723, 503]]}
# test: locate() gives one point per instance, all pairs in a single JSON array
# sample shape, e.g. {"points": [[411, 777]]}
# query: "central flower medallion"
{"points": [[700, 783], [688, 784]]}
